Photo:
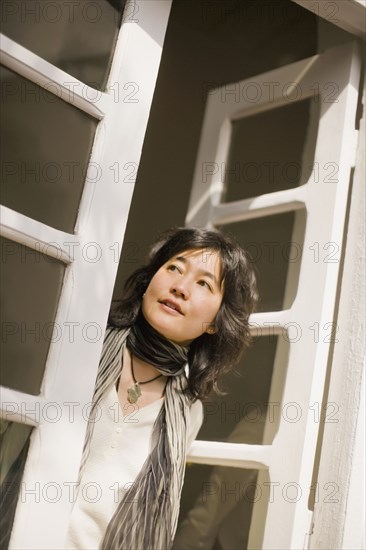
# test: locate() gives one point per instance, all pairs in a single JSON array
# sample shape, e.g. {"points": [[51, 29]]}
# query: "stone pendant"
{"points": [[133, 393]]}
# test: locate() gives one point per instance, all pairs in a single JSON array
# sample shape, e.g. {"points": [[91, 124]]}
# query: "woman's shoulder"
{"points": [[196, 420], [196, 410]]}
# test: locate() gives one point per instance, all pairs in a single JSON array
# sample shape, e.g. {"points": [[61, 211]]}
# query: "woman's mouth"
{"points": [[172, 306]]}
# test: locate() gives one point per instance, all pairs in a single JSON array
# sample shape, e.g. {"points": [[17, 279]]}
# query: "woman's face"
{"points": [[184, 296]]}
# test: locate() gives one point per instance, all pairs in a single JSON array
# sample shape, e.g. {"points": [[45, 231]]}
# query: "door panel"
{"points": [[78, 240], [301, 302]]}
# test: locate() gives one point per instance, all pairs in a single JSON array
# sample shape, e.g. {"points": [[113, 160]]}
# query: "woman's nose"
{"points": [[180, 289]]}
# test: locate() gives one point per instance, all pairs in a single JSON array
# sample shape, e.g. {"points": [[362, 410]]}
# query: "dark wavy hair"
{"points": [[210, 355]]}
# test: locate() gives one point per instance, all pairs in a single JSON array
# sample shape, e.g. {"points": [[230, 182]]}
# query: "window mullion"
{"points": [[257, 207], [230, 454], [36, 235], [52, 79], [21, 407]]}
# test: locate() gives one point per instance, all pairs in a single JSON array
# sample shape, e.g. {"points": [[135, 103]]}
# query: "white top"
{"points": [[119, 447]]}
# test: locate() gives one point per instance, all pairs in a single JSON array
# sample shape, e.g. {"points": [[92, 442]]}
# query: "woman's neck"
{"points": [[142, 370]]}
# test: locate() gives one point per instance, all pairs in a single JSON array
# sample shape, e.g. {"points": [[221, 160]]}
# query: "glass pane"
{"points": [[240, 415], [275, 245], [45, 150], [216, 508], [77, 37], [30, 289], [269, 151], [14, 440]]}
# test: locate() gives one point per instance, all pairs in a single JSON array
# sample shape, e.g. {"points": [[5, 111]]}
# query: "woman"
{"points": [[181, 324]]}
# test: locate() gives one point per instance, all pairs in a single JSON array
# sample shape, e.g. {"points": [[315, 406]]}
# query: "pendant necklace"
{"points": [[134, 392]]}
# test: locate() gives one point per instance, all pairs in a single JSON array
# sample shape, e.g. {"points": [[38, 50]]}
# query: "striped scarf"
{"points": [[147, 516]]}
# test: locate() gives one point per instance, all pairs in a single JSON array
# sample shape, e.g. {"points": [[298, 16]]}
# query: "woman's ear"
{"points": [[211, 329]]}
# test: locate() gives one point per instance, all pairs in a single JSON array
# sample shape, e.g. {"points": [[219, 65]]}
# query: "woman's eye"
{"points": [[173, 268], [205, 284]]}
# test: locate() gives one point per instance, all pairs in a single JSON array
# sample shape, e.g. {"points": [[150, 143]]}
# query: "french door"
{"points": [[327, 85], [77, 91]]}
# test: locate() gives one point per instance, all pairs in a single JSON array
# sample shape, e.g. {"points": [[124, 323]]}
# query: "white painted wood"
{"points": [[354, 525], [264, 92], [299, 374], [52, 79], [230, 454], [257, 207], [340, 523], [56, 447], [274, 323], [21, 407], [38, 236], [349, 15], [304, 384]]}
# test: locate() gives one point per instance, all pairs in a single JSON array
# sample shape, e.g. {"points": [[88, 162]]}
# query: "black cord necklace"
{"points": [[134, 392]]}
